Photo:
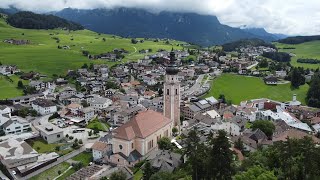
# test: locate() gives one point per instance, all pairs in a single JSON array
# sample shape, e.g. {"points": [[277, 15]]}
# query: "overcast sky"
{"points": [[292, 17]]}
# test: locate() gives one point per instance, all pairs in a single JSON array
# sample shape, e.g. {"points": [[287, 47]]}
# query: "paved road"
{"points": [[253, 65], [59, 160], [195, 87]]}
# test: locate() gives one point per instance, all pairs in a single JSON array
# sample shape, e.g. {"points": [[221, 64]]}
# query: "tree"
{"points": [[265, 126], [220, 164], [80, 141], [239, 144], [164, 143], [175, 130], [196, 153], [256, 173], [54, 116], [119, 175], [160, 91], [134, 41], [90, 133], [161, 175], [104, 39], [20, 85], [222, 98], [263, 63], [147, 171], [297, 77], [313, 95], [91, 67], [84, 66]]}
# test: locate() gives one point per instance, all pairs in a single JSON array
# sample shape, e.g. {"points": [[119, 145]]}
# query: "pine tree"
{"points": [[220, 157], [313, 95]]}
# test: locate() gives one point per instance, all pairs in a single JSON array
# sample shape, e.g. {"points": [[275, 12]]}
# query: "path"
{"points": [[59, 160], [63, 173], [253, 65], [135, 50]]}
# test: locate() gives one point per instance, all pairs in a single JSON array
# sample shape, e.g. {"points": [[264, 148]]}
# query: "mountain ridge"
{"points": [[204, 30]]}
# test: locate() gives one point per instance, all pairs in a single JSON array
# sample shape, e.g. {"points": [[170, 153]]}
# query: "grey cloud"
{"points": [[277, 16]]}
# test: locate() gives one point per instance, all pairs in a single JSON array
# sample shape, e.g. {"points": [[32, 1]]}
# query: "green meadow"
{"points": [[304, 50], [238, 88], [43, 55]]}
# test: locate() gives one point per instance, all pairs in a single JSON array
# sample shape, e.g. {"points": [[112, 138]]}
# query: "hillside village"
{"points": [[102, 119]]}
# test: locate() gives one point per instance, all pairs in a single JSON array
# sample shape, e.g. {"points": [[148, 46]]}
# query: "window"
{"points": [[18, 127], [58, 135], [132, 145], [167, 91], [176, 91], [120, 147]]}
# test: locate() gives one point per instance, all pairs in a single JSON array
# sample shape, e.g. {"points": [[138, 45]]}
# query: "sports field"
{"points": [[238, 88], [304, 50]]}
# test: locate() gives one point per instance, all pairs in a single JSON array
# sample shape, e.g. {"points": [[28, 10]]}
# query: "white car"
{"points": [[14, 172]]}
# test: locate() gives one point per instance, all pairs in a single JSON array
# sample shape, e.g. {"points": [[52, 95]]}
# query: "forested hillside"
{"points": [[29, 20]]}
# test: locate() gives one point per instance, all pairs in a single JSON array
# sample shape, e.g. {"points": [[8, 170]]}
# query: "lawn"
{"points": [[85, 158], [238, 88], [52, 172], [43, 147], [9, 89], [304, 50], [96, 124], [138, 175]]}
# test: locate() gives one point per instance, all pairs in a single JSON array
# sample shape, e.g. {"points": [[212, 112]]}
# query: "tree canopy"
{"points": [[30, 20], [265, 126]]}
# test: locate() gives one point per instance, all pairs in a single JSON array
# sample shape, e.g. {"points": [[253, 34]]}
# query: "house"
{"points": [[44, 107], [26, 99], [99, 150], [149, 94], [164, 160], [131, 100], [16, 152], [16, 125], [149, 80], [88, 113], [281, 74], [138, 137], [123, 115], [270, 80], [40, 85], [50, 133], [99, 103], [8, 70], [110, 92]]}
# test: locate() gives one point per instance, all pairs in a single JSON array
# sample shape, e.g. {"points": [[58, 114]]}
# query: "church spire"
{"points": [[172, 67]]}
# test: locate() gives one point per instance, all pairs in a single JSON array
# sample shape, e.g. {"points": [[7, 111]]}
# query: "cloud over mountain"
{"points": [[291, 17]]}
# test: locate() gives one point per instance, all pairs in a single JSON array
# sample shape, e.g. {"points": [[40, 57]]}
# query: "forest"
{"points": [[30, 20]]}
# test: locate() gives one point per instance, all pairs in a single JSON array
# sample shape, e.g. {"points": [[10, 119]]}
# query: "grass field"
{"points": [[97, 124], [52, 172], [238, 88], [9, 89], [43, 56], [85, 158], [304, 50], [42, 147]]}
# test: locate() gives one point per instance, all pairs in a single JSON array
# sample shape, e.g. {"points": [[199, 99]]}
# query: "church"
{"points": [[135, 139]]}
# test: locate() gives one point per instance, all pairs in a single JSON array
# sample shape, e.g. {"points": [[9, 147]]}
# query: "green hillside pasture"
{"points": [[9, 89], [304, 50], [238, 88], [43, 56]]}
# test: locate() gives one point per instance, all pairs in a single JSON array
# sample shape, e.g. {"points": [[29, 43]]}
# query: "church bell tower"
{"points": [[172, 92]]}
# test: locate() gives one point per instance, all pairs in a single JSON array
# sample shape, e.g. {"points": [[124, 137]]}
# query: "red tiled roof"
{"points": [[99, 146], [142, 125]]}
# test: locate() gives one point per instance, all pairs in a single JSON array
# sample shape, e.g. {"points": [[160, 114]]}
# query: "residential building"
{"points": [[16, 125], [50, 133], [44, 107], [99, 150]]}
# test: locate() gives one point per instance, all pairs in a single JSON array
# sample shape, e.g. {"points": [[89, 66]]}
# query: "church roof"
{"points": [[142, 125]]}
